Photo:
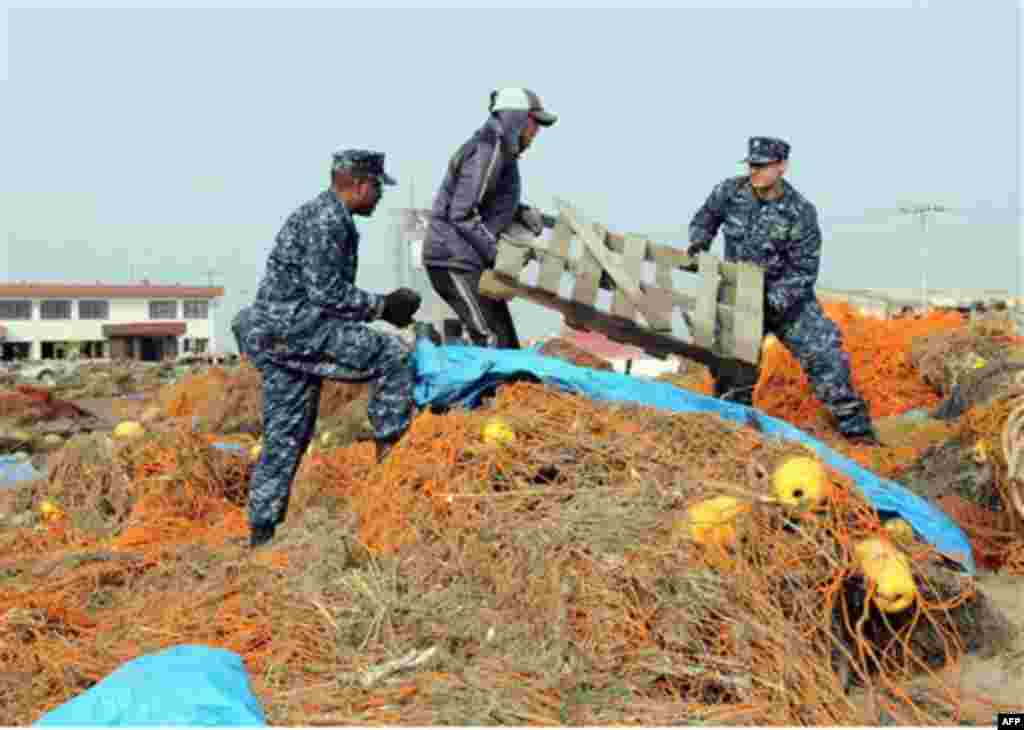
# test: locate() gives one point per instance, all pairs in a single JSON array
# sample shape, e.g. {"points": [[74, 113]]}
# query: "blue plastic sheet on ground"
{"points": [[186, 685], [452, 376], [15, 469]]}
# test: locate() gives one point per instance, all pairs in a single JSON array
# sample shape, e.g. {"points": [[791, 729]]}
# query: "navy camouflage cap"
{"points": [[362, 163], [764, 150]]}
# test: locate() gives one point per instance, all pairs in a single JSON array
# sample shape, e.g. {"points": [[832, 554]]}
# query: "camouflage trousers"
{"points": [[816, 343], [293, 375]]}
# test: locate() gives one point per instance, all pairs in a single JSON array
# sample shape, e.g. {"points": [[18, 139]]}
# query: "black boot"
{"points": [[384, 447], [863, 438], [261, 535]]}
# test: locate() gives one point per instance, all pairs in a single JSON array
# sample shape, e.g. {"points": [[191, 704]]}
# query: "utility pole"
{"points": [[922, 211], [209, 275]]}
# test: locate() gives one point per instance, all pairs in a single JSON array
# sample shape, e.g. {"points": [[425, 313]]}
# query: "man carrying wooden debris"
{"points": [[309, 323], [478, 198], [766, 221]]}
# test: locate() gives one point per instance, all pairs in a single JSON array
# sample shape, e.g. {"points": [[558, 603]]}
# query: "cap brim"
{"points": [[387, 179], [544, 119], [757, 160]]}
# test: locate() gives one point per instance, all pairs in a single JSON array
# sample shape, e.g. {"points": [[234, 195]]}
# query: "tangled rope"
{"points": [[1013, 447]]}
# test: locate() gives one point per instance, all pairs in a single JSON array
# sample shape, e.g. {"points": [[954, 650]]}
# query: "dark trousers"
{"points": [[488, 321], [817, 344]]}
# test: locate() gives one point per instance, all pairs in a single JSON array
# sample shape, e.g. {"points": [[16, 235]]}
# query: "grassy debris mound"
{"points": [[231, 401], [963, 356], [544, 575]]}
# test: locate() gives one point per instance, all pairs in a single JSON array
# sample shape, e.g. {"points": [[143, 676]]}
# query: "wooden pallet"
{"points": [[725, 317]]}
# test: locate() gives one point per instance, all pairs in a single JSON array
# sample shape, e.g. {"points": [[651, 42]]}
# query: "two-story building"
{"points": [[136, 321]]}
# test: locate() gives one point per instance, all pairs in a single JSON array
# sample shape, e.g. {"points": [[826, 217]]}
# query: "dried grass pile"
{"points": [[549, 579], [26, 405], [231, 401], [965, 355]]}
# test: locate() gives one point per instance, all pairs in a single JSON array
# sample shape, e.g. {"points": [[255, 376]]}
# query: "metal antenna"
{"points": [[922, 212]]}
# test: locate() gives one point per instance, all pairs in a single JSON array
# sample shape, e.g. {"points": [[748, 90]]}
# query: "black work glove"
{"points": [[531, 218], [693, 251], [399, 306]]}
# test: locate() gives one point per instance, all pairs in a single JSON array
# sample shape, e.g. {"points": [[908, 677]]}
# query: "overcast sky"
{"points": [[173, 143]]}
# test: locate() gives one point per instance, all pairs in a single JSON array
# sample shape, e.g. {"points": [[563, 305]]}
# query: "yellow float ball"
{"points": [[496, 431], [889, 570], [800, 481]]}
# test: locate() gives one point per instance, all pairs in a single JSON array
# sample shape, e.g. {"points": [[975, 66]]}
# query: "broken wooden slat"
{"points": [[512, 257], [705, 316], [492, 286], [552, 263], [748, 330], [622, 279], [588, 277], [632, 264], [580, 316]]}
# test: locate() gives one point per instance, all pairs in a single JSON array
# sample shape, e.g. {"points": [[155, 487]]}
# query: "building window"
{"points": [[94, 309], [195, 345], [55, 309], [91, 349], [197, 309], [57, 349], [15, 309], [163, 310]]}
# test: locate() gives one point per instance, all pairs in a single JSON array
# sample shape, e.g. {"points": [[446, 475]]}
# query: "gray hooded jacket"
{"points": [[479, 197]]}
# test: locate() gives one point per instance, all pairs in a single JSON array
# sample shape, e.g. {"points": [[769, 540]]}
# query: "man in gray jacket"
{"points": [[479, 197]]}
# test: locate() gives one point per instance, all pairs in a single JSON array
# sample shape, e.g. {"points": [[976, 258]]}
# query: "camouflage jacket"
{"points": [[311, 272], [781, 235]]}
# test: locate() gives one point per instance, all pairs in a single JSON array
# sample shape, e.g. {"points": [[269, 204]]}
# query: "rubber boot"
{"points": [[261, 535]]}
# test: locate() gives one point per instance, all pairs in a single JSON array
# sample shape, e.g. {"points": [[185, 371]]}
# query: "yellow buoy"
{"points": [[50, 511], [900, 530], [128, 430], [889, 570], [712, 521], [254, 452], [800, 481], [496, 431]]}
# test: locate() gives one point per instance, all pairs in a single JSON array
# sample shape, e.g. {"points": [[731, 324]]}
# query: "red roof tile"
{"points": [[36, 290]]}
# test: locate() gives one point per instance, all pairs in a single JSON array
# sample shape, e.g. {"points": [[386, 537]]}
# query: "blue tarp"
{"points": [[459, 375], [14, 469], [185, 685], [228, 446]]}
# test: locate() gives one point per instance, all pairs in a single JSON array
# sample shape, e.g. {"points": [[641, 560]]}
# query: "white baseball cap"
{"points": [[518, 98]]}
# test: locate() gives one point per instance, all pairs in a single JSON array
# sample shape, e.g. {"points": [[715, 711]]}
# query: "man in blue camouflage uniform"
{"points": [[766, 221], [479, 197], [308, 322]]}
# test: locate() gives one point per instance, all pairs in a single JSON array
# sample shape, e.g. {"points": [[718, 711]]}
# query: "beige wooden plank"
{"points": [[705, 316], [748, 327], [551, 267], [622, 279], [632, 263], [663, 279], [511, 258], [656, 343], [588, 278], [492, 285]]}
